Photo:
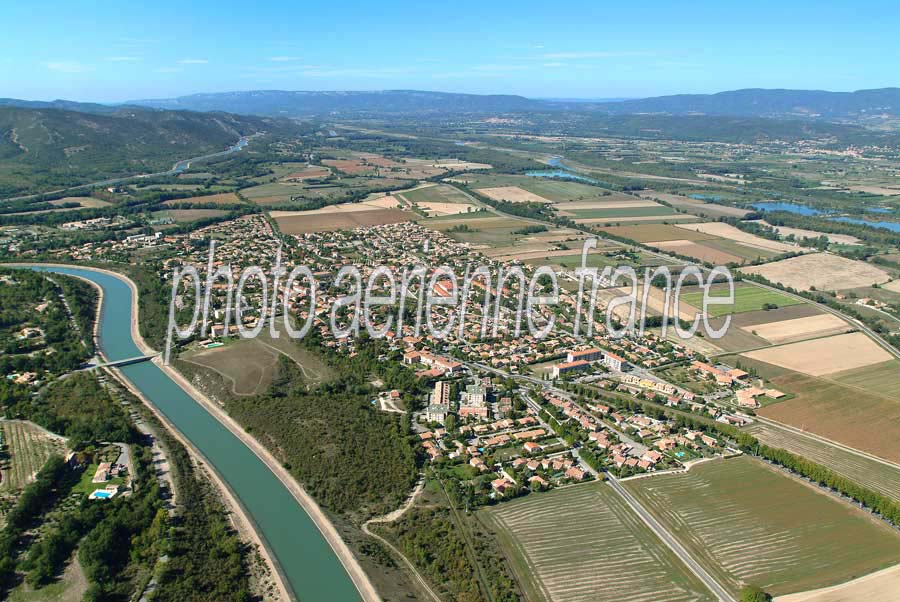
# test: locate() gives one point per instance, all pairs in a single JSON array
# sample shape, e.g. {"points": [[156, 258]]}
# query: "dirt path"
{"points": [[391, 517]]}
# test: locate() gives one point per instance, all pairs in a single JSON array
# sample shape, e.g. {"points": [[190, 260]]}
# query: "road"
{"points": [[177, 167], [667, 538]]}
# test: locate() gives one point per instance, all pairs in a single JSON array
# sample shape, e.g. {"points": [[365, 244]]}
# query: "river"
{"points": [[309, 565]]}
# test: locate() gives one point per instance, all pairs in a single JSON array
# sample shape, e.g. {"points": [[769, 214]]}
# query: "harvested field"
{"points": [[603, 203], [384, 202], [877, 476], [798, 329], [825, 356], [748, 522], [512, 194], [290, 222], [822, 271], [729, 232], [652, 233], [29, 446], [881, 586], [584, 543], [225, 198], [893, 286], [853, 416], [446, 208], [697, 251]]}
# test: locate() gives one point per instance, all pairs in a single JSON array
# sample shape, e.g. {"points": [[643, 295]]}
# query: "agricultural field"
{"points": [[824, 356], [820, 270], [438, 200], [513, 194], [800, 233], [304, 222], [875, 475], [654, 233], [749, 522], [858, 417], [504, 237], [746, 298], [695, 206], [584, 543], [28, 446], [729, 232], [249, 365], [225, 198], [798, 329]]}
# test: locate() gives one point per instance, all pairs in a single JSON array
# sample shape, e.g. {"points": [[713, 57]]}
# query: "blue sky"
{"points": [[102, 51]]}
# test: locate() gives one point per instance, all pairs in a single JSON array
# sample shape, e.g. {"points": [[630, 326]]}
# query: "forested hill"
{"points": [[52, 148], [859, 105], [287, 103]]}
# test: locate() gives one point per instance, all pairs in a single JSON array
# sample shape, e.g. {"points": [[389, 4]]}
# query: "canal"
{"points": [[311, 568]]}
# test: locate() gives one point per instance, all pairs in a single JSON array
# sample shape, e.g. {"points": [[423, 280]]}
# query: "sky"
{"points": [[103, 51]]}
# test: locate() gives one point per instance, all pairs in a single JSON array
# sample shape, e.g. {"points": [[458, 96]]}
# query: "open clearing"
{"points": [[729, 232], [875, 475], [797, 329], [748, 522], [303, 222], [250, 364], [513, 194], [584, 543], [820, 270], [29, 447], [83, 201], [746, 298], [824, 356]]}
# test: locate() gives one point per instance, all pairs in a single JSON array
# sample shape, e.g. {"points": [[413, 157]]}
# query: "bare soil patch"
{"points": [[798, 329], [698, 251], [305, 222], [729, 232], [824, 356], [513, 194], [821, 270]]}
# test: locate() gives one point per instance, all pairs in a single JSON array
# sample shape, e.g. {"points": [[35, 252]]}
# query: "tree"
{"points": [[754, 593]]}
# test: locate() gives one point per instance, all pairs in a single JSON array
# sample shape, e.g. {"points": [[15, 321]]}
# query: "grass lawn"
{"points": [[748, 522], [746, 298], [583, 543]]}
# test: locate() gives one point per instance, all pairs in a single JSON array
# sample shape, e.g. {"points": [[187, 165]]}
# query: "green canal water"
{"points": [[310, 566]]}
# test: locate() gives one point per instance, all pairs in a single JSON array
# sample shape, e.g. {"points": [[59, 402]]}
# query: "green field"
{"points": [[746, 298], [747, 522], [584, 543], [875, 475], [485, 229]]}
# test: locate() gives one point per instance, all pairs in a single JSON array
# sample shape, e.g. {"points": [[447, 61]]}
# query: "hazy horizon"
{"points": [[587, 50]]}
